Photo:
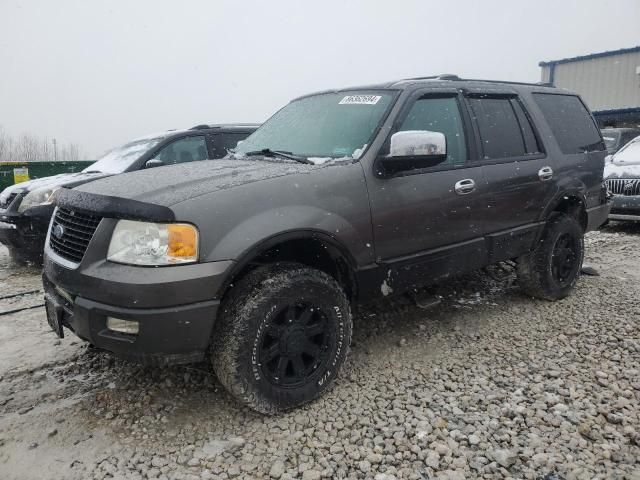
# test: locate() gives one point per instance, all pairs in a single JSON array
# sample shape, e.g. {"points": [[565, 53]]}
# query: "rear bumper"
{"points": [[625, 207], [596, 216]]}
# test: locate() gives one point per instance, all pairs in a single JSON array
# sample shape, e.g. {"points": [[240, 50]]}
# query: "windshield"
{"points": [[629, 154], [610, 138], [330, 125], [121, 158]]}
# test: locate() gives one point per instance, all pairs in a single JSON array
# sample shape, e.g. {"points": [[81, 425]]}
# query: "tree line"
{"points": [[33, 148]]}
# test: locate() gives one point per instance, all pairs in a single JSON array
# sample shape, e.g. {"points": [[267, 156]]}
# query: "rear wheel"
{"points": [[283, 334], [552, 269]]}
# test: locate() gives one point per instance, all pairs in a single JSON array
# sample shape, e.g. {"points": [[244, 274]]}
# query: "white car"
{"points": [[622, 175]]}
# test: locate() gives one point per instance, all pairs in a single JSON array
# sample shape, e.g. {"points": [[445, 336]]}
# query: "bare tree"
{"points": [[4, 144], [30, 148], [45, 150]]}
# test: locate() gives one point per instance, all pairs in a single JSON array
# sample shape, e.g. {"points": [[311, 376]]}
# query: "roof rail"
{"points": [[444, 76], [233, 125], [452, 77], [200, 127], [448, 76], [507, 82]]}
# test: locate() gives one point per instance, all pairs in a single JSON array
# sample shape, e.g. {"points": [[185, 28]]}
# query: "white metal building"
{"points": [[608, 81]]}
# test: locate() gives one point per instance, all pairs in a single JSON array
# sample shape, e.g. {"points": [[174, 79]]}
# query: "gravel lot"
{"points": [[486, 384]]}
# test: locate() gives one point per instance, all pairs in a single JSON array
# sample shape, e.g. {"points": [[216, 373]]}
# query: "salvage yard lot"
{"points": [[489, 383]]}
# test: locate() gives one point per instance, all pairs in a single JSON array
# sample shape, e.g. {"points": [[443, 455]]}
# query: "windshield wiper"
{"points": [[267, 152]]}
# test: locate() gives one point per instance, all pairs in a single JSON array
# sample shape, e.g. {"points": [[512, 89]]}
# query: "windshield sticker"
{"points": [[360, 100]]}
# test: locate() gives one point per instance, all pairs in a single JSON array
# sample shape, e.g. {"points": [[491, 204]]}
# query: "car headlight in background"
{"points": [[39, 196], [153, 244]]}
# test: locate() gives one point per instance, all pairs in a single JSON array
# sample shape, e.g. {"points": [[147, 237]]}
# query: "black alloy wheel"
{"points": [[295, 345], [564, 259]]}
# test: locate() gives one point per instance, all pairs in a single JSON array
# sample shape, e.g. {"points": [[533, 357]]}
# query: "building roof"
{"points": [[591, 56]]}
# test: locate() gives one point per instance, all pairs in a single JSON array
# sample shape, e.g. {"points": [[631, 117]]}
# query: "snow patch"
{"points": [[385, 288], [611, 170]]}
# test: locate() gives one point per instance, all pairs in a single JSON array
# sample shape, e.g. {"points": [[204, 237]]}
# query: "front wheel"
{"points": [[550, 271], [283, 334]]}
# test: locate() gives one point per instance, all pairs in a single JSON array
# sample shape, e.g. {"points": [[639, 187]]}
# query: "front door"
{"points": [[426, 222]]}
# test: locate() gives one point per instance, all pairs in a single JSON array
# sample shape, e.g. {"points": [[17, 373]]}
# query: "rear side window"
{"points": [[531, 144], [439, 115], [570, 123], [500, 131]]}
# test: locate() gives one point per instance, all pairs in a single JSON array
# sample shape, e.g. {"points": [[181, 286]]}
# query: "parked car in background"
{"points": [[622, 176], [616, 138], [26, 208], [340, 197]]}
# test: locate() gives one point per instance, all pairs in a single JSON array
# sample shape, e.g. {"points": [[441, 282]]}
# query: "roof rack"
{"points": [[452, 77], [443, 76], [233, 125]]}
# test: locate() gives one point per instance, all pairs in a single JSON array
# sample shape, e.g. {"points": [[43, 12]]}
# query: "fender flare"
{"points": [[337, 250]]}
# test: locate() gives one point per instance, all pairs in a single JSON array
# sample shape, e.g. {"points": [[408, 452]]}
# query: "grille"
{"points": [[8, 201], [621, 186], [71, 233]]}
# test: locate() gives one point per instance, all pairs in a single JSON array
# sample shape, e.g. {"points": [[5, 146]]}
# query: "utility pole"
{"points": [[55, 150]]}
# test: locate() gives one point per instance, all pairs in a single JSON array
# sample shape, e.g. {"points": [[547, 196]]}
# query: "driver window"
{"points": [[440, 115], [189, 149]]}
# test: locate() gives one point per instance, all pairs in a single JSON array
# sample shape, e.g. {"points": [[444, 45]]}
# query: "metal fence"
{"points": [[17, 172]]}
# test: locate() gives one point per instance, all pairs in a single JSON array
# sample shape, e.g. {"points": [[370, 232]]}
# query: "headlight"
{"points": [[40, 196], [153, 244]]}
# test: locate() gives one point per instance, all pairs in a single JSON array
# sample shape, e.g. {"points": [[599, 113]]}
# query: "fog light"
{"points": [[123, 326]]}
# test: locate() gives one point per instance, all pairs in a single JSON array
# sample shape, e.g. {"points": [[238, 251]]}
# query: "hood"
{"points": [[623, 158], [613, 170], [625, 163], [62, 180], [173, 184]]}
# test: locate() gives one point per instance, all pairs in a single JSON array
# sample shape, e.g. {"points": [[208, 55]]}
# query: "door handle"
{"points": [[545, 173], [464, 187]]}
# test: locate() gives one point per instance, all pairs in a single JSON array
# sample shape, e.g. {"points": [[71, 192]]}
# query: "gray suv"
{"points": [[257, 260]]}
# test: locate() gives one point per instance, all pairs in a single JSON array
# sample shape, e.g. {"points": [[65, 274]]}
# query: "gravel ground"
{"points": [[487, 384]]}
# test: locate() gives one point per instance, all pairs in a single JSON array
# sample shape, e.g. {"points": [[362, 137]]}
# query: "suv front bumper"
{"points": [[625, 207], [170, 332], [26, 232]]}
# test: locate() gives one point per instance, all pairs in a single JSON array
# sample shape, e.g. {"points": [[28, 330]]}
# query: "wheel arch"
{"points": [[572, 203], [314, 248]]}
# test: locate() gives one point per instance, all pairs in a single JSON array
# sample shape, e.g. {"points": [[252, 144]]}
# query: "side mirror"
{"points": [[154, 162], [414, 149]]}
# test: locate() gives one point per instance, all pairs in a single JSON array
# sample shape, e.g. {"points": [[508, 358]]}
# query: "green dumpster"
{"points": [[17, 172]]}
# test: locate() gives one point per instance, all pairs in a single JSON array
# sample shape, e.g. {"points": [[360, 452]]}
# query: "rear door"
{"points": [[519, 173]]}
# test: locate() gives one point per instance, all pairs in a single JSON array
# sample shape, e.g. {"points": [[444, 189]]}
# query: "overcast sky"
{"points": [[99, 73]]}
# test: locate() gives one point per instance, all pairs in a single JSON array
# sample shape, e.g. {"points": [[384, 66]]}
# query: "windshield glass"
{"points": [[610, 138], [121, 158], [331, 125], [629, 154]]}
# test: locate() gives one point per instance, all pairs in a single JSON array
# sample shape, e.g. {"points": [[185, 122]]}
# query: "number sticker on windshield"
{"points": [[360, 100]]}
